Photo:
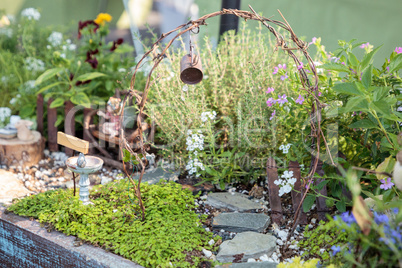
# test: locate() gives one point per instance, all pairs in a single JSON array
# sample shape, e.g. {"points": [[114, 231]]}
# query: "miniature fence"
{"points": [[297, 193], [69, 122]]}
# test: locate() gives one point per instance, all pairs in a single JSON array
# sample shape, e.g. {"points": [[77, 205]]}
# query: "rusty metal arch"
{"points": [[310, 88]]}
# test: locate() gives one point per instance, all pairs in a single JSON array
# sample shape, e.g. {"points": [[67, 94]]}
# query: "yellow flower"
{"points": [[102, 17]]}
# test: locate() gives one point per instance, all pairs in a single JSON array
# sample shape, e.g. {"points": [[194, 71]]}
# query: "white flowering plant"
{"points": [[22, 59]]}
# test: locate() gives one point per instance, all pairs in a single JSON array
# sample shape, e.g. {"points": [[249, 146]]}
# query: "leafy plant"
{"points": [[169, 233]]}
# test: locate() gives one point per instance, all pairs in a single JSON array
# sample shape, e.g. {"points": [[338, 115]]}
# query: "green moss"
{"points": [[324, 237], [171, 228]]}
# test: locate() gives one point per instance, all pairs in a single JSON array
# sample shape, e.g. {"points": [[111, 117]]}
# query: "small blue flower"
{"points": [[335, 250], [380, 218], [348, 218]]}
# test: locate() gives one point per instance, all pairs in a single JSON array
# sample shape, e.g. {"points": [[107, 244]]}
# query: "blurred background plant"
{"points": [[22, 59], [87, 73]]}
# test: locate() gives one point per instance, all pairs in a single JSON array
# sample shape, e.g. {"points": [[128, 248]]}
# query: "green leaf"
{"points": [[366, 77], [367, 59], [81, 99], [381, 106], [57, 103], [308, 202], [27, 111], [89, 76], [341, 206], [353, 60], [364, 123], [47, 87], [59, 120], [380, 92], [386, 166], [388, 195], [47, 75], [321, 185], [211, 172], [354, 104], [348, 89], [335, 67], [395, 64], [126, 156]]}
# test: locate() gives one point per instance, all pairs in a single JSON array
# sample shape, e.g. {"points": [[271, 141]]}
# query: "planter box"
{"points": [[23, 243]]}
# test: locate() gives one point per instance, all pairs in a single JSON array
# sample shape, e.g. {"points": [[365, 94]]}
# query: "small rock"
{"points": [[236, 202], [313, 220], [207, 253], [241, 222], [251, 244], [105, 180], [251, 260], [211, 242]]}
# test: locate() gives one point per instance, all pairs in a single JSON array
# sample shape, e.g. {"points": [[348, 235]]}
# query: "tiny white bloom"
{"points": [[292, 181], [184, 88]]}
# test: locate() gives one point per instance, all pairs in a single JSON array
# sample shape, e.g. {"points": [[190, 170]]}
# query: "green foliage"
{"points": [[171, 228], [323, 237], [236, 76], [298, 263]]}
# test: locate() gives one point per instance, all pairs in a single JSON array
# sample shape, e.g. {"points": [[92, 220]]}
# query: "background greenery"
{"points": [[366, 20]]}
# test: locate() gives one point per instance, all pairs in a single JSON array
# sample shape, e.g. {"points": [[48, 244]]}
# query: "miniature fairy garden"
{"points": [[265, 150]]}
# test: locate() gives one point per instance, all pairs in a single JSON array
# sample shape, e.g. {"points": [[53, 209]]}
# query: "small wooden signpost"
{"points": [[72, 142]]}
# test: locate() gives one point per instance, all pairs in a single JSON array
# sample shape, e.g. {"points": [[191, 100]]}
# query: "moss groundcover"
{"points": [[169, 235]]}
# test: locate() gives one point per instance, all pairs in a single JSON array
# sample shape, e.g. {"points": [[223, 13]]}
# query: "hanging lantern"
{"points": [[191, 68]]}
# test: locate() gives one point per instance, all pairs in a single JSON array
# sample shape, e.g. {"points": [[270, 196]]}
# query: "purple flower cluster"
{"points": [[398, 50], [277, 69], [386, 184], [365, 45]]}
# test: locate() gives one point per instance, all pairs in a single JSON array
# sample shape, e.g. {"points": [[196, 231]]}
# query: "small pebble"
{"points": [[207, 253]]}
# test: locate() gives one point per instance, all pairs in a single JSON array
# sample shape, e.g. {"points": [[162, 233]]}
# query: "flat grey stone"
{"points": [[241, 222], [237, 201], [251, 244], [155, 175], [249, 265]]}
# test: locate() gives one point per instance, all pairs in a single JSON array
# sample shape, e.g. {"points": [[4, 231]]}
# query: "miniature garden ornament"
{"points": [[113, 111], [398, 171], [24, 133]]}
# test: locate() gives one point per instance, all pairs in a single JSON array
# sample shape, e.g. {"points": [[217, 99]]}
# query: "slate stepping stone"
{"points": [[235, 202], [250, 244], [241, 222], [153, 176]]}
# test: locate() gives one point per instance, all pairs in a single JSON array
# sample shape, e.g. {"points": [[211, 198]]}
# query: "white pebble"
{"points": [[264, 258], [61, 179], [322, 250], [207, 229], [211, 242], [313, 220], [207, 253], [251, 260], [203, 197], [310, 226], [279, 242]]}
